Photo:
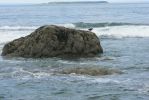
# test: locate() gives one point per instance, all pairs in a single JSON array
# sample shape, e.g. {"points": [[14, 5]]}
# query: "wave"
{"points": [[110, 30], [106, 24], [14, 28], [28, 28], [9, 35], [114, 29], [72, 25], [123, 31], [21, 73]]}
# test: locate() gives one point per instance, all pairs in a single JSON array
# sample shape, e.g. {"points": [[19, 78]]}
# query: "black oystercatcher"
{"points": [[90, 29]]}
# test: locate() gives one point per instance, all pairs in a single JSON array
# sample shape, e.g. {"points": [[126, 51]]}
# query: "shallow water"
{"points": [[125, 49]]}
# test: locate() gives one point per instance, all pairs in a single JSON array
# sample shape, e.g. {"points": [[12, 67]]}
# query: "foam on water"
{"points": [[116, 30], [9, 33], [123, 31], [6, 28], [67, 25], [7, 36], [20, 73], [105, 24]]}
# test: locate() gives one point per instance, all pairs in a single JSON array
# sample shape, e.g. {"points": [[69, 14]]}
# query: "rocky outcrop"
{"points": [[93, 71], [53, 41]]}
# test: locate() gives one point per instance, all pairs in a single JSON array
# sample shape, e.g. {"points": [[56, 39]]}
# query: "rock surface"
{"points": [[93, 71], [53, 41]]}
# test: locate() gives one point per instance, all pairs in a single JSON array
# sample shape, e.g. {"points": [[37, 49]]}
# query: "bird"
{"points": [[90, 29]]}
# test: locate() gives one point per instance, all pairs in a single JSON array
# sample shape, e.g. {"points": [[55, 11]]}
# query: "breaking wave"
{"points": [[80, 25], [123, 31], [106, 24], [110, 30], [114, 30], [14, 28]]}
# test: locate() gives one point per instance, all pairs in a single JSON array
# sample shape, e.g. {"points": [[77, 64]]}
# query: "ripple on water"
{"points": [[118, 96], [2, 97]]}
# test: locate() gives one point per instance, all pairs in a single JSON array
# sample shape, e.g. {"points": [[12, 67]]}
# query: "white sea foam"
{"points": [[9, 33], [20, 73], [6, 36], [105, 80], [17, 28], [69, 25], [119, 31], [123, 31], [66, 25]]}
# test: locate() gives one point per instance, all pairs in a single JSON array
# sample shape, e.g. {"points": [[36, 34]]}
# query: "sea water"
{"points": [[123, 30]]}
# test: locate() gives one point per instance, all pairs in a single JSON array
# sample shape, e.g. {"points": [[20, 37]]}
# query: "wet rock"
{"points": [[53, 41], [90, 71]]}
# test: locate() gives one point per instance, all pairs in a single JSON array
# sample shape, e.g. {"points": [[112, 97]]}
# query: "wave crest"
{"points": [[109, 30], [106, 24], [19, 28], [123, 31]]}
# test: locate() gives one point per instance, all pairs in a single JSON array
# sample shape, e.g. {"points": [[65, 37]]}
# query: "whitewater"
{"points": [[9, 33]]}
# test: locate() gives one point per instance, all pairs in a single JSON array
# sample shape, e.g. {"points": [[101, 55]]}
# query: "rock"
{"points": [[53, 41], [92, 71]]}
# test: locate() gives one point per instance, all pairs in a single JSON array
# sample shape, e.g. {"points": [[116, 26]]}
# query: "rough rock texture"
{"points": [[53, 41], [93, 71]]}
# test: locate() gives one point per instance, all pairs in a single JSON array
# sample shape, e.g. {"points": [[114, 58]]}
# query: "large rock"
{"points": [[53, 41]]}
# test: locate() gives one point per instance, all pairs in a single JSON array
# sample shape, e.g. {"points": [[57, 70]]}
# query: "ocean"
{"points": [[123, 30]]}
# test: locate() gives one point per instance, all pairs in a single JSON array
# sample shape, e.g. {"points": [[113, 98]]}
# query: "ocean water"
{"points": [[123, 30]]}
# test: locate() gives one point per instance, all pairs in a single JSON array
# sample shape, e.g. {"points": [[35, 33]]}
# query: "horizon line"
{"points": [[26, 3]]}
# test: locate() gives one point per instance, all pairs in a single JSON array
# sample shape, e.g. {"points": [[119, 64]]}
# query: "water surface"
{"points": [[123, 30]]}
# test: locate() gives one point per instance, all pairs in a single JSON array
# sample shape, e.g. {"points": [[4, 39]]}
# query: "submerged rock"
{"points": [[53, 41], [90, 71]]}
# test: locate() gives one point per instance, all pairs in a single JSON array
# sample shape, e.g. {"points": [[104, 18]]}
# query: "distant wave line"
{"points": [[105, 24], [81, 25]]}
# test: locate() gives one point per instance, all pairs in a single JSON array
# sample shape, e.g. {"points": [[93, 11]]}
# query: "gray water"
{"points": [[124, 34]]}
